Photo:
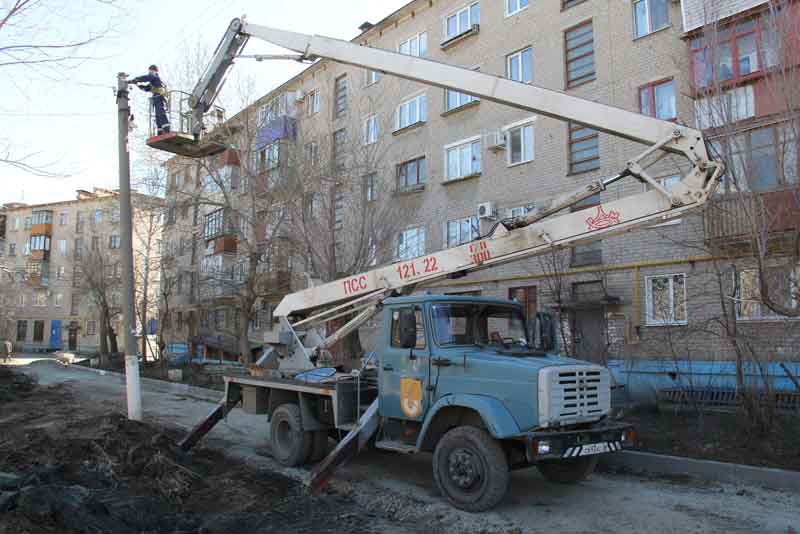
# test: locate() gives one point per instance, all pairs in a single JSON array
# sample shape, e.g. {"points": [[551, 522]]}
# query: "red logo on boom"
{"points": [[479, 252], [602, 219], [355, 284]]}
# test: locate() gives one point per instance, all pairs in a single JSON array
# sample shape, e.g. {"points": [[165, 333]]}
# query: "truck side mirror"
{"points": [[408, 329]]}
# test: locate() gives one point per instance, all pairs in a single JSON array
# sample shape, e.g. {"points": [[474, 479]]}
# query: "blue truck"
{"points": [[468, 379]]}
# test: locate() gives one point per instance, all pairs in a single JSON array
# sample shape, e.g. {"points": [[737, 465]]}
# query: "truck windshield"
{"points": [[467, 323]]}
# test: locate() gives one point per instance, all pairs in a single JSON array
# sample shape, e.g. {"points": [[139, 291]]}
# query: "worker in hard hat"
{"points": [[152, 82]]}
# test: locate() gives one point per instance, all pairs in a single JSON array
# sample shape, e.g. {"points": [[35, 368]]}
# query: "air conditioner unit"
{"points": [[497, 140], [299, 96], [487, 210]]}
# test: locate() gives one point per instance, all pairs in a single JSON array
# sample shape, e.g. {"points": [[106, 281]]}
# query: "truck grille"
{"points": [[573, 394]]}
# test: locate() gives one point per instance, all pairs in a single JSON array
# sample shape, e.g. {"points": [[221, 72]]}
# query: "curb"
{"points": [[211, 395], [661, 464]]}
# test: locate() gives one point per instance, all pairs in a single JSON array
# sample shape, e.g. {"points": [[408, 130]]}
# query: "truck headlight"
{"points": [[543, 447]]}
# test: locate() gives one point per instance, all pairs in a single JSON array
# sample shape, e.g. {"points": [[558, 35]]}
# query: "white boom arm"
{"points": [[524, 236]]}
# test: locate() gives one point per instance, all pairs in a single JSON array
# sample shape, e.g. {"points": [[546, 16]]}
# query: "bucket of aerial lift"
{"points": [[182, 140]]}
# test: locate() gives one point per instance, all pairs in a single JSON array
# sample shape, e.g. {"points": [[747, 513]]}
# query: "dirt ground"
{"points": [[65, 470], [724, 437]]}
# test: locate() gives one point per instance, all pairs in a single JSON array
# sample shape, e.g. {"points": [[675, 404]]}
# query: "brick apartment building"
{"points": [[47, 251], [452, 165]]}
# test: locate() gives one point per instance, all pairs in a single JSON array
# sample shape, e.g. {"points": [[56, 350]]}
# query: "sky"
{"points": [[65, 119]]}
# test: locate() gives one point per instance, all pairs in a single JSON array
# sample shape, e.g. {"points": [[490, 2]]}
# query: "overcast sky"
{"points": [[69, 119]]}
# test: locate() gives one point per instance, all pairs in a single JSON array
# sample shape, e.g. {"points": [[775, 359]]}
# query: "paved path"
{"points": [[604, 503]]}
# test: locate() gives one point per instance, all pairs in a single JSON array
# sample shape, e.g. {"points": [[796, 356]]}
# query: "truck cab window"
{"points": [[396, 329]]}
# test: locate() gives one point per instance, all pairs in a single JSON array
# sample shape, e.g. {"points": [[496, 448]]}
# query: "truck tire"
{"points": [[291, 445], [319, 445], [568, 471], [470, 469]]}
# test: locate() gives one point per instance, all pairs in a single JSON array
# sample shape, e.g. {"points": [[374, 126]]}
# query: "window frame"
{"points": [[520, 125], [370, 187], [401, 237], [457, 14], [791, 302], [371, 125], [650, 29], [313, 99], [519, 53], [570, 142], [649, 319], [421, 177], [420, 37], [458, 145], [519, 9], [421, 106], [340, 96], [653, 102], [471, 99], [371, 77], [474, 230], [586, 78]]}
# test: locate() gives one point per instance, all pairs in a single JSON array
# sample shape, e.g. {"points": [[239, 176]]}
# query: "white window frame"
{"points": [[371, 77], [474, 230], [371, 130], [458, 145], [58, 301], [509, 12], [794, 276], [420, 243], [519, 53], [313, 102], [520, 125], [63, 218], [650, 28], [469, 99], [420, 38], [421, 100], [649, 320], [62, 247], [457, 15]]}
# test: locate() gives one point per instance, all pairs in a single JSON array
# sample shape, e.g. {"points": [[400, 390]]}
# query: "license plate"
{"points": [[594, 448]]}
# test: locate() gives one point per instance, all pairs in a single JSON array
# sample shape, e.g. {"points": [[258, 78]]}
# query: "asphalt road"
{"points": [[603, 503]]}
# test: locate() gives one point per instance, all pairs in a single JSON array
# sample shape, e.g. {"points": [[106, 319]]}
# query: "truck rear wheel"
{"points": [[570, 470], [291, 445], [471, 469]]}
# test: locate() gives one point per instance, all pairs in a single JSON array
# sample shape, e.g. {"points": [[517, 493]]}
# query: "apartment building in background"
{"points": [[453, 165], [50, 253]]}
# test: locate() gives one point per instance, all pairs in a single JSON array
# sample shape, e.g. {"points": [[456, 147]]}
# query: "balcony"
{"points": [[733, 219], [274, 283], [38, 274], [42, 223]]}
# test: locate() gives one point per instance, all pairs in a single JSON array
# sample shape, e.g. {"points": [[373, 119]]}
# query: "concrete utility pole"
{"points": [[126, 253]]}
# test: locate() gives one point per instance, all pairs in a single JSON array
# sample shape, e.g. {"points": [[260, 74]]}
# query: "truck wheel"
{"points": [[471, 469], [291, 445], [568, 471], [319, 446]]}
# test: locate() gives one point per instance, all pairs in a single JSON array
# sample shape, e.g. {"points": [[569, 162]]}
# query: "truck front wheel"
{"points": [[471, 469], [568, 471], [291, 445]]}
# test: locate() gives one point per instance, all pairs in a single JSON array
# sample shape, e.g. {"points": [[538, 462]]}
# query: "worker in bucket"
{"points": [[152, 82]]}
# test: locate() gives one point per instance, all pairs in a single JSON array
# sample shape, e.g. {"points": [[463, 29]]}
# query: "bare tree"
{"points": [[97, 273]]}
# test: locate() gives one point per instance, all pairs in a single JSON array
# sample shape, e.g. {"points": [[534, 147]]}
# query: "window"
{"points": [[16, 223], [59, 300], [95, 242], [411, 243], [313, 102], [463, 159], [372, 77], [762, 159], [40, 298], [649, 16], [98, 216], [269, 157], [79, 222], [26, 250], [22, 330], [312, 154], [584, 149], [42, 217], [113, 242], [666, 299], [454, 99], [340, 95], [519, 66], [416, 45], [725, 107], [338, 210], [579, 46], [515, 6], [566, 4], [21, 300], [462, 20], [63, 218], [460, 231], [219, 318], [783, 285], [12, 249], [39, 242], [28, 223], [371, 130], [78, 245], [215, 224], [62, 247], [412, 111], [733, 51], [370, 185], [339, 145], [411, 174], [91, 328], [396, 327], [61, 272], [658, 100], [519, 140]]}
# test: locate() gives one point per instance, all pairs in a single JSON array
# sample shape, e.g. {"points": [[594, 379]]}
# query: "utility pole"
{"points": [[126, 252]]}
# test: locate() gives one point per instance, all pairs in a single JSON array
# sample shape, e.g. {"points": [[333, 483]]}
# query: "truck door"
{"points": [[404, 370]]}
